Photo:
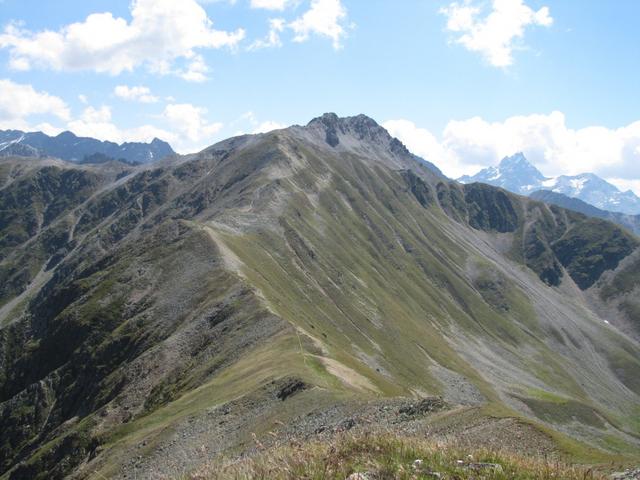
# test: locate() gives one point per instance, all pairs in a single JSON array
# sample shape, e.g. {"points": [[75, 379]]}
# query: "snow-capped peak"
{"points": [[517, 174]]}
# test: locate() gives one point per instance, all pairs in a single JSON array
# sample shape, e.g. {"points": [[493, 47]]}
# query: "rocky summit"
{"points": [[297, 285]]}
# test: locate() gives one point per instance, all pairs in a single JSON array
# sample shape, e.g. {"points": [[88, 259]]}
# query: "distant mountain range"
{"points": [[632, 222], [518, 175], [68, 146]]}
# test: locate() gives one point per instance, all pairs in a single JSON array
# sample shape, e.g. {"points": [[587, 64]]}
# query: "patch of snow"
{"points": [[578, 184], [5, 145], [550, 182]]}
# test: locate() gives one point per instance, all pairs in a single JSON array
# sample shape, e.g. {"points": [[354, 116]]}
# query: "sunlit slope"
{"points": [[362, 259], [323, 259]]}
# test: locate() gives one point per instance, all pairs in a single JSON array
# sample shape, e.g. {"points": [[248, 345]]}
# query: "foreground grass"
{"points": [[386, 457]]}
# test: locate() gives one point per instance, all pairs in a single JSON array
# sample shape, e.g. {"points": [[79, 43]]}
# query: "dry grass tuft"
{"points": [[382, 457]]}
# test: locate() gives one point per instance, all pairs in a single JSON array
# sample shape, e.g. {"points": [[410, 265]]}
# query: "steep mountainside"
{"points": [[67, 146], [171, 312], [517, 175], [632, 222]]}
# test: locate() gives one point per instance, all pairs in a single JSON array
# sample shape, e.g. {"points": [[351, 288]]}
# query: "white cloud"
{"points": [[185, 127], [159, 33], [83, 99], [268, 126], [466, 146], [136, 94], [97, 123], [196, 70], [20, 101], [26, 126], [193, 130], [205, 2], [247, 116], [625, 184], [324, 18], [494, 36], [270, 4], [253, 125], [276, 26], [423, 143]]}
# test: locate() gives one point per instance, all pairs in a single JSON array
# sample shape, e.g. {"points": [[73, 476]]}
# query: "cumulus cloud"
{"points": [[495, 35], [276, 26], [253, 125], [189, 121], [425, 144], [270, 4], [159, 33], [196, 70], [97, 123], [325, 18], [466, 146], [135, 94], [19, 101], [184, 126], [268, 126]]}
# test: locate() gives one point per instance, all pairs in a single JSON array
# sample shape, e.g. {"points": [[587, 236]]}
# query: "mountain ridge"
{"points": [[155, 316], [632, 222], [68, 146]]}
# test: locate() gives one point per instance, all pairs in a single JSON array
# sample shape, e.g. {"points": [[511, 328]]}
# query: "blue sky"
{"points": [[462, 83]]}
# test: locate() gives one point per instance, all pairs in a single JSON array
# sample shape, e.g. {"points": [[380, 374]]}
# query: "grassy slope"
{"points": [[388, 457], [341, 303], [370, 274]]}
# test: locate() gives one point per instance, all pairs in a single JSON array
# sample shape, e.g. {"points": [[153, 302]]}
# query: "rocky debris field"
{"points": [[251, 425]]}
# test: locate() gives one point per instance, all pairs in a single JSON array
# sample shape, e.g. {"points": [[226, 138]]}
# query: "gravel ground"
{"points": [[258, 421]]}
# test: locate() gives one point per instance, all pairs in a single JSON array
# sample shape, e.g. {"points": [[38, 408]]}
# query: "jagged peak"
{"points": [[360, 127], [515, 159], [358, 123], [362, 134], [332, 119], [328, 119]]}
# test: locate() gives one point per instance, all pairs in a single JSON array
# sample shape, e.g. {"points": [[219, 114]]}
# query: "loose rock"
{"points": [[626, 475], [358, 476]]}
